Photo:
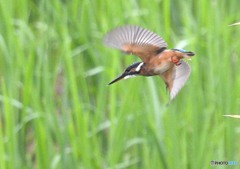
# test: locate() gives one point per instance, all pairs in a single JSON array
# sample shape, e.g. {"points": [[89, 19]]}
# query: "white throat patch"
{"points": [[128, 76], [139, 67]]}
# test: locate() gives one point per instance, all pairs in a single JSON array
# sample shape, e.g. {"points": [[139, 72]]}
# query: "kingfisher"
{"points": [[156, 58]]}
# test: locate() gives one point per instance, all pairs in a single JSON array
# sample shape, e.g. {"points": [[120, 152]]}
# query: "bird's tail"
{"points": [[188, 53]]}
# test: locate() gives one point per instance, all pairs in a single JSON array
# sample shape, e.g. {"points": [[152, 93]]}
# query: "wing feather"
{"points": [[135, 40], [176, 77]]}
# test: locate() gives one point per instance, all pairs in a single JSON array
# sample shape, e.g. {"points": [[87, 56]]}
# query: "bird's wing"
{"points": [[176, 77], [135, 40]]}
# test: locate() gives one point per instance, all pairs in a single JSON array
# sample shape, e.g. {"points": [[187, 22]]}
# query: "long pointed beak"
{"points": [[117, 79]]}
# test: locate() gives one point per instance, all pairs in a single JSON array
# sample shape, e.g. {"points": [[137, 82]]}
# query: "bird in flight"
{"points": [[156, 58]]}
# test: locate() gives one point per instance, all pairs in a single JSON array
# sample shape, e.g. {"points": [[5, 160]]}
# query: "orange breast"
{"points": [[160, 63]]}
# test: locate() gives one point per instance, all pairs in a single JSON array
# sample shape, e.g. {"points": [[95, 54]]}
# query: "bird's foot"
{"points": [[176, 61]]}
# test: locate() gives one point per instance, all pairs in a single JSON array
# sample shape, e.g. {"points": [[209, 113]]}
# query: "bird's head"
{"points": [[131, 71]]}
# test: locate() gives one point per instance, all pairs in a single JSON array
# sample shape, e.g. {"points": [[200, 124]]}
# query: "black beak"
{"points": [[117, 79]]}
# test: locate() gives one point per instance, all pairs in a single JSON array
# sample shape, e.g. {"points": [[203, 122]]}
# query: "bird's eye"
{"points": [[127, 70]]}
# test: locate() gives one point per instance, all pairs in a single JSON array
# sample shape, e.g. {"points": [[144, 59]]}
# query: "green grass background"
{"points": [[56, 110]]}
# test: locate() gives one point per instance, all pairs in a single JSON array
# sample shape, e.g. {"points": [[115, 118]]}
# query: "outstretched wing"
{"points": [[135, 40], [176, 77]]}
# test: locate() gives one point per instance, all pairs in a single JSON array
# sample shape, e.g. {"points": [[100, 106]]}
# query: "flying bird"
{"points": [[156, 58]]}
